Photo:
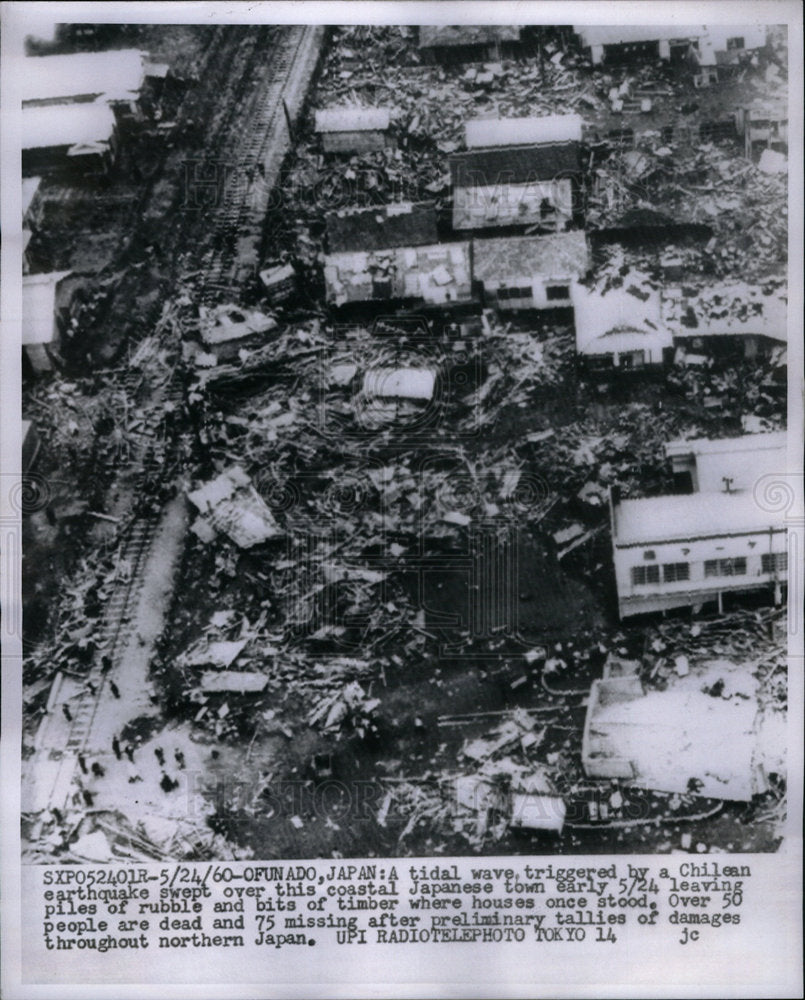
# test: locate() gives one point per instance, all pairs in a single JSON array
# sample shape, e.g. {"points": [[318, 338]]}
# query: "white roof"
{"points": [[115, 74], [693, 515], [742, 460], [771, 441], [38, 306], [353, 120], [616, 34], [486, 132], [399, 383], [66, 125], [30, 185], [617, 314], [727, 311]]}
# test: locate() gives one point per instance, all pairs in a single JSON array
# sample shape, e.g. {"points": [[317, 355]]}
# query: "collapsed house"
{"points": [[688, 550], [705, 734], [468, 42], [530, 272], [704, 465], [81, 136], [525, 186], [382, 226], [719, 319], [437, 274], [620, 329], [45, 311], [114, 77], [353, 130]]}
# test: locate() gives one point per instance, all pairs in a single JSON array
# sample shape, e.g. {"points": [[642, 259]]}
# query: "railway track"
{"points": [[260, 118]]}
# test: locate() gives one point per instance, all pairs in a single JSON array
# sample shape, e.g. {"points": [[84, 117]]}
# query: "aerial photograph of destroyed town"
{"points": [[404, 440]]}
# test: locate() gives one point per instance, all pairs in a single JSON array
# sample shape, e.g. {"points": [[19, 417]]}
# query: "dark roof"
{"points": [[382, 226], [557, 255], [466, 34], [514, 164]]}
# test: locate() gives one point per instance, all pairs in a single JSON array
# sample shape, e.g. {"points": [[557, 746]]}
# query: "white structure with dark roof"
{"points": [[353, 129], [530, 272], [53, 133]]}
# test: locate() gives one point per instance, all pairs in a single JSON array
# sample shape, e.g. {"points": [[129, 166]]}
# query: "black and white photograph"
{"points": [[405, 466]]}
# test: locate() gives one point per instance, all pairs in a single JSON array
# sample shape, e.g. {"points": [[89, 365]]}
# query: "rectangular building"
{"points": [[55, 136], [706, 465], [487, 133], [379, 227], [353, 130], [468, 42], [114, 76], [438, 274], [530, 272], [680, 551], [520, 186], [620, 329], [42, 317]]}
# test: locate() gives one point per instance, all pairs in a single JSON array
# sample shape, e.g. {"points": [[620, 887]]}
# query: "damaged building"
{"points": [[353, 130], [80, 137], [465, 43], [380, 227]]}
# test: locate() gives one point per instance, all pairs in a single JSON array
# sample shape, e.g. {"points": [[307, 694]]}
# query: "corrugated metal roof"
{"points": [[66, 125], [381, 226], [117, 73], [514, 164], [483, 133], [693, 515], [39, 306], [466, 34], [559, 255], [353, 120]]}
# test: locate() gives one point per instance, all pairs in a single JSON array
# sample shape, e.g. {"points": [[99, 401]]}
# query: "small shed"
{"points": [[764, 125], [55, 136], [515, 186], [486, 133], [437, 274], [43, 315], [353, 130], [468, 42], [379, 227], [530, 272], [620, 329]]}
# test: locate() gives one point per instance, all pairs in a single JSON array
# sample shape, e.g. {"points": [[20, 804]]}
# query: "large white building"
{"points": [[687, 550]]}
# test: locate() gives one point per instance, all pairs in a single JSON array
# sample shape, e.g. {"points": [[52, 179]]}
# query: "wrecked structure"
{"points": [[45, 313], [468, 42], [698, 44], [341, 588]]}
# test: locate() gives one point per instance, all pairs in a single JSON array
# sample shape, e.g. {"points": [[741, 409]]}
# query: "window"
{"points": [[674, 572], [725, 567], [514, 293], [557, 293], [735, 43], [503, 293], [525, 293], [642, 575], [649, 554], [774, 562]]}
